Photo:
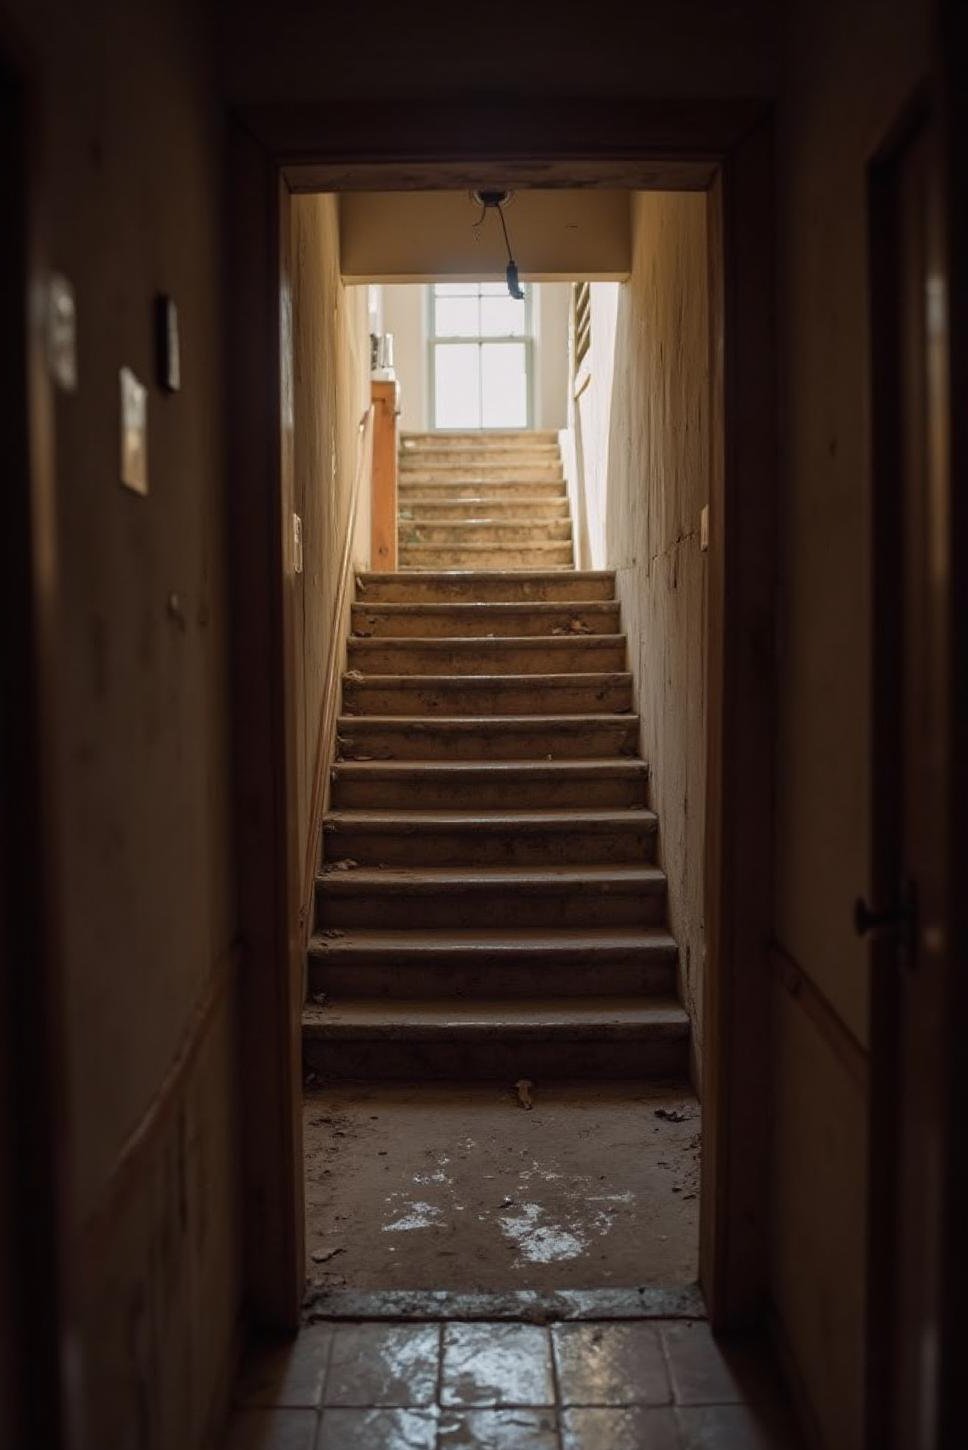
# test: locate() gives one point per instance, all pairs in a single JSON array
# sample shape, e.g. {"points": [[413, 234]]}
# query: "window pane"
{"points": [[504, 381], [502, 317], [494, 289], [456, 317], [457, 385], [455, 289]]}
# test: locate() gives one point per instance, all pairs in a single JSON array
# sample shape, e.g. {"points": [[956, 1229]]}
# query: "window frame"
{"points": [[434, 341]]}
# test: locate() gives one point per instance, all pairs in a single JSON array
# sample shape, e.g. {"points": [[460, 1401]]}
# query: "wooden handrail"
{"points": [[335, 659], [383, 507]]}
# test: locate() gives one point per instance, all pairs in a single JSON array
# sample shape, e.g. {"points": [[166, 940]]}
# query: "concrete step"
{"points": [[446, 491], [493, 785], [505, 837], [496, 472], [508, 655], [488, 438], [423, 508], [510, 456], [436, 896], [494, 962], [573, 694], [496, 1039], [474, 620], [532, 556], [501, 737], [451, 586], [509, 533]]}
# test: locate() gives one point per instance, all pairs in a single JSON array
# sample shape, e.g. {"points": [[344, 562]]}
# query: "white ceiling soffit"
{"points": [[430, 236]]}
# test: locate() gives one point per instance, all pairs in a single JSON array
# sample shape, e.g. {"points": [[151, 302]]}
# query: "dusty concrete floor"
{"points": [[458, 1187]]}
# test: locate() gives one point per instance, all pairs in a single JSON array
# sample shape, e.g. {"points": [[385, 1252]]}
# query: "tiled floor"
{"points": [[638, 1385]]}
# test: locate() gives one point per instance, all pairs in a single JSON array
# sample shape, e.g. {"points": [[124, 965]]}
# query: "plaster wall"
{"points": [[405, 315], [420, 236], [642, 428], [129, 140], [850, 69], [331, 386]]}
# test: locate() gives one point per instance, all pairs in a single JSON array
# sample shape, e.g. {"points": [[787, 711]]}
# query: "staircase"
{"points": [[488, 903], [483, 501]]}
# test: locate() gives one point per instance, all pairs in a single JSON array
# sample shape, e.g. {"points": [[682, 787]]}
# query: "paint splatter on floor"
{"points": [[453, 1187]]}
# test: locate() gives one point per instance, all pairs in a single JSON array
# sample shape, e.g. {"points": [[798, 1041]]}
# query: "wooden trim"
{"points": [[383, 501], [37, 1303], [266, 822], [142, 1141], [789, 1366], [541, 142], [740, 710], [326, 736], [848, 1049]]}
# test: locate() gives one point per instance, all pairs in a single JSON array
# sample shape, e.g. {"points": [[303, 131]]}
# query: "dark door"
{"points": [[914, 961]]}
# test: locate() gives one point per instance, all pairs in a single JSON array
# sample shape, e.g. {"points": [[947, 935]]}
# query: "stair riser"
{"points": [[486, 847], [509, 494], [387, 976], [486, 795], [544, 455], [583, 655], [478, 438], [497, 472], [625, 907], [495, 1059], [458, 511], [363, 739], [428, 531], [454, 589], [524, 698], [473, 621], [485, 556]]}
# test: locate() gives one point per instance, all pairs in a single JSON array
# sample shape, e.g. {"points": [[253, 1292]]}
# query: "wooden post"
{"points": [[383, 514]]}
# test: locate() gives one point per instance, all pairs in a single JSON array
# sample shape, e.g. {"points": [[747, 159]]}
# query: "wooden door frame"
{"points": [[35, 1302], [940, 104], [726, 149]]}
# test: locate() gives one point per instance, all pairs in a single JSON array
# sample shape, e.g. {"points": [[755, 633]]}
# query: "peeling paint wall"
{"points": [[331, 395], [130, 145], [641, 482], [850, 71]]}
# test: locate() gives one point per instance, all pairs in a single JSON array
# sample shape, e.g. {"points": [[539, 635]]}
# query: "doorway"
{"points": [[739, 690]]}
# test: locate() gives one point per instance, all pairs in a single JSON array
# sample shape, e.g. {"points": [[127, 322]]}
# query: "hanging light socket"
{"points": [[496, 201]]}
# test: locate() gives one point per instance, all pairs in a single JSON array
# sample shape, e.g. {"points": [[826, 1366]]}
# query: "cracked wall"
{"points": [[641, 426]]}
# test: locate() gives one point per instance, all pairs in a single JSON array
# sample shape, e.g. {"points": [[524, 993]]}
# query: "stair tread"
{"points": [[481, 608], [464, 682], [469, 575], [477, 940], [444, 642], [532, 769], [547, 818], [471, 723], [398, 879], [540, 1016]]}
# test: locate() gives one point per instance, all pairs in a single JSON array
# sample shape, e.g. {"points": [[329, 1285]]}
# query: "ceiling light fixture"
{"points": [[497, 201]]}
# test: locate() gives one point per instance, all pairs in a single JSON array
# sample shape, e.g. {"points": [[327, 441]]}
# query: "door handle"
{"points": [[899, 920]]}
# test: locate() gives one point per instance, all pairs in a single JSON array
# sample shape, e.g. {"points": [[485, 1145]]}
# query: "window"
{"points": [[480, 356]]}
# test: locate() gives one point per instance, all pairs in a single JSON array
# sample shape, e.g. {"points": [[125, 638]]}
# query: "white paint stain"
{"points": [[541, 1242], [415, 1215]]}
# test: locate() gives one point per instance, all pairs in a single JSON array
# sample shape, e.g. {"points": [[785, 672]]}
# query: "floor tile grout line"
{"points": [[438, 1398], [328, 1358], [555, 1384]]}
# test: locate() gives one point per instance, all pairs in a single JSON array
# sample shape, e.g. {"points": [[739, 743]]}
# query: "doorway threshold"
{"points": [[526, 1306]]}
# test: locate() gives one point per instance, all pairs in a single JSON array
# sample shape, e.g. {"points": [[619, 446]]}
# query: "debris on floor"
{"points": [[441, 1187], [523, 1089]]}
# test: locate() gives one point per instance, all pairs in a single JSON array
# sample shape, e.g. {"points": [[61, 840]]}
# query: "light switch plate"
{"points": [[62, 333], [297, 545], [134, 432], [704, 529]]}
